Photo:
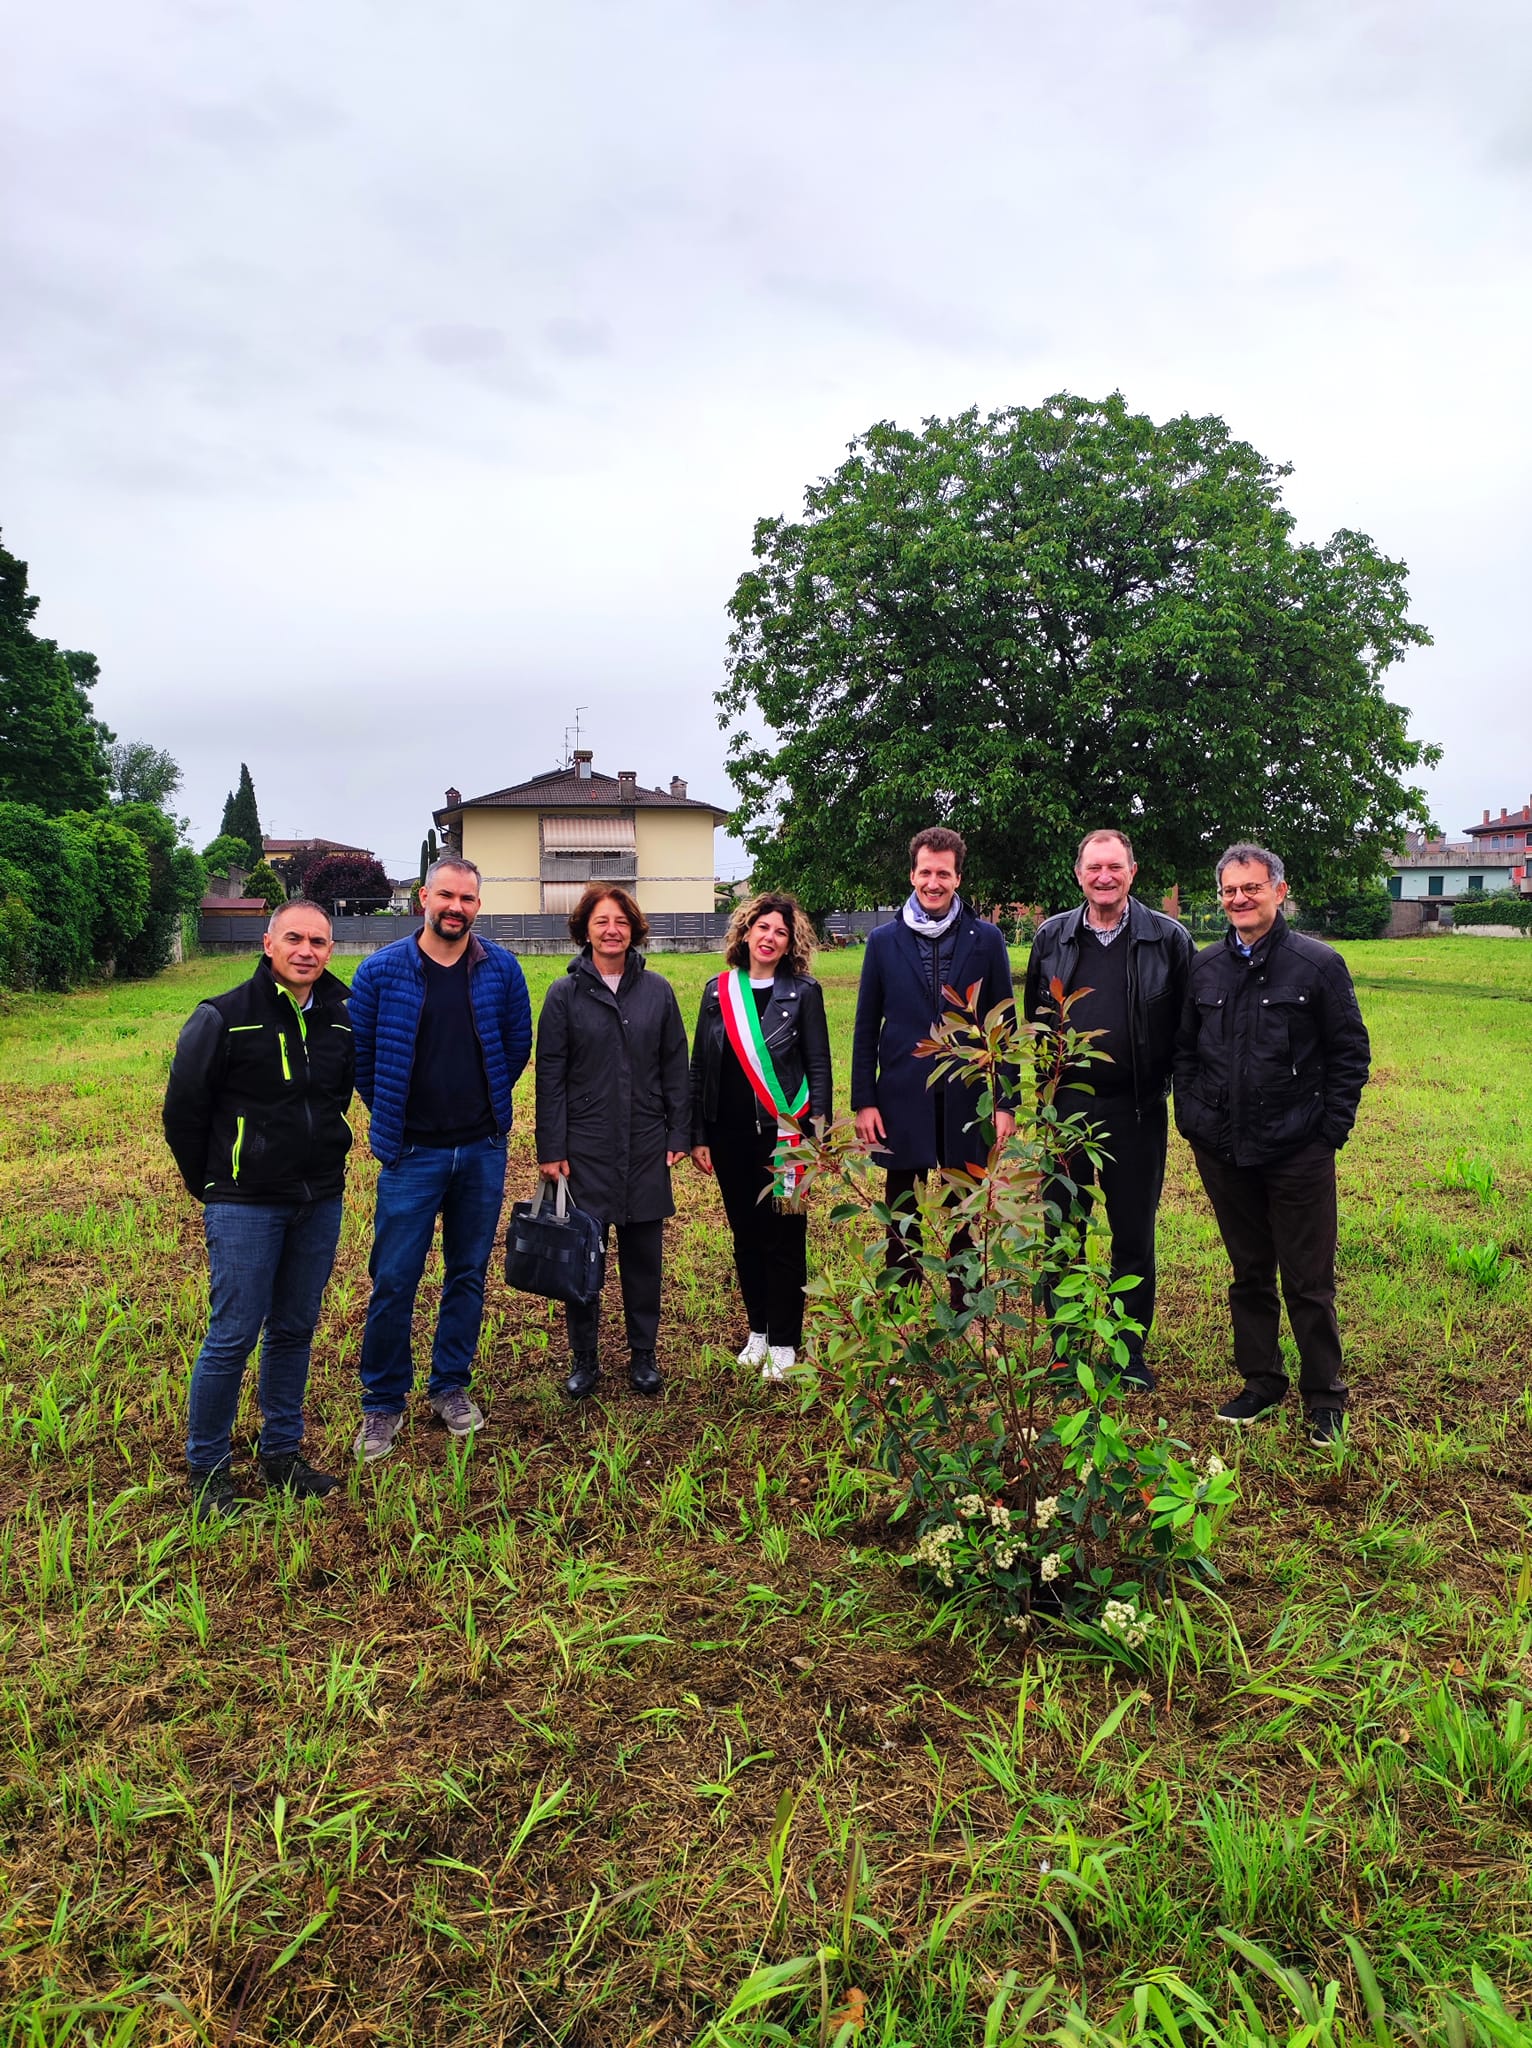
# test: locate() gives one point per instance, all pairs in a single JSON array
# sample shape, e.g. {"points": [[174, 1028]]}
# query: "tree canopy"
{"points": [[241, 819], [350, 878], [225, 852], [52, 747], [142, 774], [1033, 623]]}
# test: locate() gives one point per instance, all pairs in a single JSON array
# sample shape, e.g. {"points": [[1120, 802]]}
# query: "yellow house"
{"points": [[540, 842]]}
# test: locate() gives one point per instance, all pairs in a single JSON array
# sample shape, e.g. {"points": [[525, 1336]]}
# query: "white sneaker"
{"points": [[755, 1350], [780, 1360]]}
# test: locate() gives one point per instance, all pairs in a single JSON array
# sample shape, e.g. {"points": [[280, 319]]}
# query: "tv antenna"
{"points": [[575, 729]]}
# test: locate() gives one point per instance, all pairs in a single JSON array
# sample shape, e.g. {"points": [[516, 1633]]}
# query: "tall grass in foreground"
{"points": [[624, 1726]]}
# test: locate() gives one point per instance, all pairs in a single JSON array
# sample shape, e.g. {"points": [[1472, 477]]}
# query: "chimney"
{"points": [[627, 785], [455, 797], [582, 761], [1486, 817], [1502, 814], [677, 785]]}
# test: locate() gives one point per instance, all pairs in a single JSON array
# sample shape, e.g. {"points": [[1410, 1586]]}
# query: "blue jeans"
{"points": [[268, 1263], [464, 1185]]}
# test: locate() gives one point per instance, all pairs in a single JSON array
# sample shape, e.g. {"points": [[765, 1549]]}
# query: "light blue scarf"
{"points": [[924, 924]]}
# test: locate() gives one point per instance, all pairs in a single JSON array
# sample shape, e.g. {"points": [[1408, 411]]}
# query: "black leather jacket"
{"points": [[1273, 1054], [1160, 954], [797, 1037]]}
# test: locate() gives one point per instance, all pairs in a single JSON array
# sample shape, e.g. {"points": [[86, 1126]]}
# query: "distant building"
{"points": [[277, 853], [539, 843], [1431, 875], [1510, 833]]}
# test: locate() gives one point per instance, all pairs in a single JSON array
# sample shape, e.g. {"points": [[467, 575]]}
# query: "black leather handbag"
{"points": [[558, 1252]]}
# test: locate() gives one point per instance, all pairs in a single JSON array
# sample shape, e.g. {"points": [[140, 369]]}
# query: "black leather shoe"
{"points": [[1137, 1378], [212, 1493], [585, 1372], [293, 1474], [643, 1373]]}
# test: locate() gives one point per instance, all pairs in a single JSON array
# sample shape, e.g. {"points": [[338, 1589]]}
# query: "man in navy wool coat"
{"points": [[936, 942]]}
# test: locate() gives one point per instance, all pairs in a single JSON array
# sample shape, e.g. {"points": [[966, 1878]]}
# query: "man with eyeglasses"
{"points": [[1271, 1060], [1127, 966]]}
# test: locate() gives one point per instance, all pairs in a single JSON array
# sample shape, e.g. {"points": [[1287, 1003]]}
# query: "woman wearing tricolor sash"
{"points": [[761, 1080]]}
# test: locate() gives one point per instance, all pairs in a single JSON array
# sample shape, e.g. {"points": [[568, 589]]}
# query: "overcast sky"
{"points": [[383, 382]]}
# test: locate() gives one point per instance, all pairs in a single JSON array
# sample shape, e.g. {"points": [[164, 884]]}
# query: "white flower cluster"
{"points": [[1122, 1619], [971, 1506], [934, 1551], [1050, 1568], [1214, 1466], [1047, 1511], [999, 1517]]}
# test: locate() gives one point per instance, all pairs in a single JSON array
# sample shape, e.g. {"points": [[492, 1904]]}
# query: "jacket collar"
{"points": [[328, 989], [1264, 946], [913, 950], [1142, 928], [582, 963], [476, 953]]}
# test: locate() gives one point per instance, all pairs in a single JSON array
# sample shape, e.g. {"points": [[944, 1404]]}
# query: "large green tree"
{"points": [[52, 747], [241, 819], [122, 884], [1028, 624], [142, 774], [177, 878]]}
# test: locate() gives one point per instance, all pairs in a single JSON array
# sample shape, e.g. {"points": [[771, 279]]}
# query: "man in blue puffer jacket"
{"points": [[442, 1028]]}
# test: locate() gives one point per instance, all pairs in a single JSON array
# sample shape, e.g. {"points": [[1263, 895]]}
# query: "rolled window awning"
{"points": [[559, 898], [588, 835]]}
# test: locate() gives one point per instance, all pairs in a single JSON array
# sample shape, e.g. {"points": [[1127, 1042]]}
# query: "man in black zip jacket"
{"points": [[1271, 1060], [255, 1114], [1128, 966]]}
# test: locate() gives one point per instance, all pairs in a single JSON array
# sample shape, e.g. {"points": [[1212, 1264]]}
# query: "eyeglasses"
{"points": [[1243, 889]]}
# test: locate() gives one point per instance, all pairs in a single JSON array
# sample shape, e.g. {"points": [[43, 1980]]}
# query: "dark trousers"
{"points": [[771, 1246], [640, 1253], [1276, 1219], [1130, 1179], [904, 1246]]}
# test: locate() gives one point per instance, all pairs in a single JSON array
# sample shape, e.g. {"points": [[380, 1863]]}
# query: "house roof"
{"points": [[234, 906], [562, 789], [1512, 820], [312, 846]]}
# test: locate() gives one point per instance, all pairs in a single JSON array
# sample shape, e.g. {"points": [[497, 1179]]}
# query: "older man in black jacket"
{"points": [[1271, 1061], [1127, 965]]}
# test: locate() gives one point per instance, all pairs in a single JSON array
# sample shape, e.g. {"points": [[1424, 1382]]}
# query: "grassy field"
{"points": [[581, 1734]]}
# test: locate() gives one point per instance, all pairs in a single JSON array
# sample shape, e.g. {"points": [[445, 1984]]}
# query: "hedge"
{"points": [[1515, 910]]}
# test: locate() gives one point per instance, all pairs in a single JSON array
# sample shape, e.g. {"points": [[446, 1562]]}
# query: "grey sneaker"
{"points": [[458, 1411], [375, 1438]]}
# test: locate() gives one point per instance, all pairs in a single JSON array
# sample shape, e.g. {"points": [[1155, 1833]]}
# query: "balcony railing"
{"points": [[589, 867]]}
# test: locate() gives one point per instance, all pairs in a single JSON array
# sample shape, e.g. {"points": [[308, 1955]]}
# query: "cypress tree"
{"points": [[241, 819]]}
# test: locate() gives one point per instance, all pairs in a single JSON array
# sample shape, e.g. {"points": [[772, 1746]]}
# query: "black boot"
{"points": [[643, 1374], [212, 1493], [584, 1373], [292, 1472]]}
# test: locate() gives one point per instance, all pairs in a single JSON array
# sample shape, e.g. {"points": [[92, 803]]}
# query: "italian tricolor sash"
{"points": [[743, 1026]]}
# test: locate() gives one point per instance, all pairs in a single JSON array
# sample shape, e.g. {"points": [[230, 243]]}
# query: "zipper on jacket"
{"points": [[239, 1144], [287, 1065]]}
